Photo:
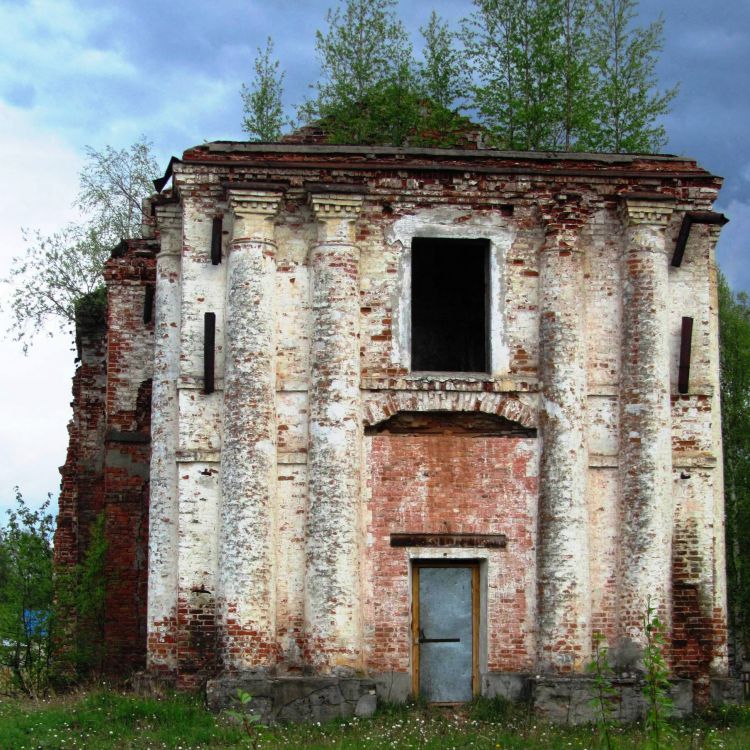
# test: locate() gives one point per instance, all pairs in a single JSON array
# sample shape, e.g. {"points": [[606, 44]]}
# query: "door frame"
{"points": [[416, 565]]}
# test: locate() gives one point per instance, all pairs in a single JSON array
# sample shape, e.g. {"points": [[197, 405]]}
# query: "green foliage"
{"points": [[26, 622], [578, 108], [441, 70], [107, 720], [91, 310], [365, 93], [264, 115], [112, 185], [51, 620], [515, 50], [46, 282], [441, 83], [656, 681], [605, 695], [566, 74], [536, 74], [249, 722], [493, 710], [628, 103], [734, 322], [79, 609], [58, 269]]}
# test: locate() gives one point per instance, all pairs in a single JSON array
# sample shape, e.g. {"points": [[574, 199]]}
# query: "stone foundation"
{"points": [[567, 700], [727, 691], [561, 700], [295, 699]]}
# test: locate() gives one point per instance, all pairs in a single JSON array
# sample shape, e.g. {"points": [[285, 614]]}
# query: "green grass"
{"points": [[108, 719]]}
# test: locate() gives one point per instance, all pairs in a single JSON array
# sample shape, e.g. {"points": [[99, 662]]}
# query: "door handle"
{"points": [[422, 639]]}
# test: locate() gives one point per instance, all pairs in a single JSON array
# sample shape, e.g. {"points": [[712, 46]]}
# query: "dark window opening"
{"points": [[449, 309]]}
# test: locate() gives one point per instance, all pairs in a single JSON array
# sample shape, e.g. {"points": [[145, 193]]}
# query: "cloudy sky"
{"points": [[83, 72]]}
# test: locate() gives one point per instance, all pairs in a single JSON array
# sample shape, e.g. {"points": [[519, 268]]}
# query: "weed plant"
{"points": [[605, 694], [119, 721], [656, 680]]}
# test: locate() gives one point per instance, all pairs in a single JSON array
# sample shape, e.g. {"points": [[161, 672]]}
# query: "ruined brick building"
{"points": [[417, 420]]}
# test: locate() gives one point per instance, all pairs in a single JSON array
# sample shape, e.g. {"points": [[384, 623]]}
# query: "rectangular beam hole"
{"points": [[209, 347], [216, 230], [686, 340], [148, 305]]}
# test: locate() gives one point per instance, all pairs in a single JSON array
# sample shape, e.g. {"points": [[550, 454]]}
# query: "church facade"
{"points": [[414, 421]]}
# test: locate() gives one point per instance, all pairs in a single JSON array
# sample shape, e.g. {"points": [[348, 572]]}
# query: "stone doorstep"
{"points": [[294, 699]]}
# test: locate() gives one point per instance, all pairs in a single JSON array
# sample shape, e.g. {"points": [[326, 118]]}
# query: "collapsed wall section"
{"points": [[106, 473]]}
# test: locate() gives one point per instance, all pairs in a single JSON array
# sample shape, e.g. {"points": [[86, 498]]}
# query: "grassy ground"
{"points": [[108, 719]]}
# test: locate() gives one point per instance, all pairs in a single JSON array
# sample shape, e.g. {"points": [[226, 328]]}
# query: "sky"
{"points": [[81, 72]]}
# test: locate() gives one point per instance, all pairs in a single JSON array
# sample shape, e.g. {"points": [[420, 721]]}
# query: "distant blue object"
{"points": [[35, 621]]}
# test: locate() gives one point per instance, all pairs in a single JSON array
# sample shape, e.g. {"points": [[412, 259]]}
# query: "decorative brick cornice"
{"points": [[328, 206]]}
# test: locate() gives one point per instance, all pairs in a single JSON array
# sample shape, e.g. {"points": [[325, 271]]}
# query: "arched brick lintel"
{"points": [[378, 407]]}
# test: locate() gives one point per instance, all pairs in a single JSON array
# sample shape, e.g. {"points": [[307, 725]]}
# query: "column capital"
{"points": [[650, 210], [169, 216], [169, 223], [263, 203], [336, 207]]}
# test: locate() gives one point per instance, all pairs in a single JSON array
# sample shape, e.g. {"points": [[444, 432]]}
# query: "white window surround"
{"points": [[453, 223]]}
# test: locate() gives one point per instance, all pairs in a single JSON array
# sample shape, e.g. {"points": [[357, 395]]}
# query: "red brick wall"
{"points": [[127, 455], [82, 487], [107, 465], [457, 483]]}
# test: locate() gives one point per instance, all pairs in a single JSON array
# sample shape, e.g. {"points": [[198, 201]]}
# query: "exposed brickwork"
{"points": [[451, 483], [127, 454], [107, 469], [82, 486]]}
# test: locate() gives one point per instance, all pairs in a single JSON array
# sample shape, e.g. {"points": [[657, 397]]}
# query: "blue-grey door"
{"points": [[445, 633]]}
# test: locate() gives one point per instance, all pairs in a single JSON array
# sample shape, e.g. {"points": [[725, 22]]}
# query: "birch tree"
{"points": [[262, 100], [366, 92], [59, 269], [628, 100]]}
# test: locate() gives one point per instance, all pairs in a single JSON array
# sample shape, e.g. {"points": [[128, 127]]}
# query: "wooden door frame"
{"points": [[416, 565]]}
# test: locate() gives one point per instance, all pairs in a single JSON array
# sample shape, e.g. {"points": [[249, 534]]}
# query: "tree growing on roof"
{"points": [[628, 102], [366, 91], [264, 114], [566, 74], [60, 269], [560, 75], [442, 82]]}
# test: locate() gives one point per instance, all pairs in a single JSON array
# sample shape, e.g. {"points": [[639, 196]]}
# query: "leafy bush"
{"points": [[26, 613], [79, 608], [50, 619]]}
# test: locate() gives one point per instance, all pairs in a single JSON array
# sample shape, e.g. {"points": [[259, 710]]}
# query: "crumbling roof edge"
{"points": [[254, 147]]}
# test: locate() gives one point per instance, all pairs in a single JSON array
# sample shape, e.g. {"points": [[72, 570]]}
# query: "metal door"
{"points": [[445, 632]]}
